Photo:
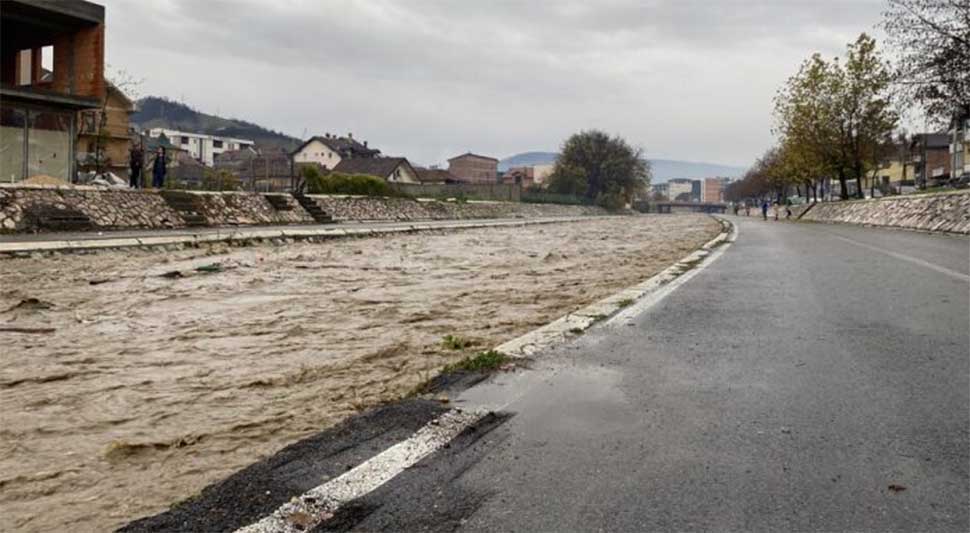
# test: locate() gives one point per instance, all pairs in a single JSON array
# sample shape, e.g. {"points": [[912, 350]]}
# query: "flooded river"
{"points": [[140, 377]]}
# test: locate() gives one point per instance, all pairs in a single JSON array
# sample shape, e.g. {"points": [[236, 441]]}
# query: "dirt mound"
{"points": [[44, 179]]}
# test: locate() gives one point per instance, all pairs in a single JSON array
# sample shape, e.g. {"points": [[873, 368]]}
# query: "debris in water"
{"points": [[26, 330], [172, 274], [210, 269], [896, 488], [32, 304]]}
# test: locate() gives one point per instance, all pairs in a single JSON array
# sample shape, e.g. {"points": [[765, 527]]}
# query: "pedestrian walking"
{"points": [[764, 210], [136, 158], [788, 210], [775, 209], [158, 169], [747, 209]]}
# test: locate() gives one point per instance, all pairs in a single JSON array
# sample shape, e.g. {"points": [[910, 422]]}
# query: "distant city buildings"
{"points": [[711, 191], [707, 190], [680, 190]]}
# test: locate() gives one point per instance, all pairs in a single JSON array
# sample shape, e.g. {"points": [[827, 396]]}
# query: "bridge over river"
{"points": [[670, 207]]}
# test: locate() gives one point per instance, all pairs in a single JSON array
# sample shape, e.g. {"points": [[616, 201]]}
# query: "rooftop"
{"points": [[374, 166], [469, 154]]}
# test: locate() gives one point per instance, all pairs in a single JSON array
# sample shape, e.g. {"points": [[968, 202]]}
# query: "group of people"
{"points": [[765, 206], [159, 167]]}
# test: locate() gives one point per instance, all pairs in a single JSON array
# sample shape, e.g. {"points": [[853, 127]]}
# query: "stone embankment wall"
{"points": [[21, 206], [25, 208], [948, 212], [248, 209], [367, 208]]}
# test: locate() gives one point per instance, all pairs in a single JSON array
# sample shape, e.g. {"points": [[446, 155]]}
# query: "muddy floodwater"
{"points": [[139, 377]]}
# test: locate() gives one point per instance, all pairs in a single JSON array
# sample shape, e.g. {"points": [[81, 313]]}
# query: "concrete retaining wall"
{"points": [[110, 209], [948, 212]]}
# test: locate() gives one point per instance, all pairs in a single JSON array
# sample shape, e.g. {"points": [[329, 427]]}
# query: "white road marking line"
{"points": [[564, 328], [320, 503], [675, 276], [915, 260]]}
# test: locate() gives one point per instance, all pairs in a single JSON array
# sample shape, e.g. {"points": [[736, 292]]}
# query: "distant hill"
{"points": [[155, 112], [527, 159], [663, 169]]}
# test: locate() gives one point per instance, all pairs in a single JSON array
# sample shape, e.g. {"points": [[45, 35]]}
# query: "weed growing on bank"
{"points": [[483, 362], [455, 342]]}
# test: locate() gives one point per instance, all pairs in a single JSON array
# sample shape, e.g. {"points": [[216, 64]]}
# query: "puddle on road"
{"points": [[149, 388]]}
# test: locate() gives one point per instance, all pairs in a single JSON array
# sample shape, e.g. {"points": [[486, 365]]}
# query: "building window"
{"points": [[185, 140], [24, 67], [216, 143]]}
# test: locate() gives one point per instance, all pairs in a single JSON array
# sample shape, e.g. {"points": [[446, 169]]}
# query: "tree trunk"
{"points": [[844, 192]]}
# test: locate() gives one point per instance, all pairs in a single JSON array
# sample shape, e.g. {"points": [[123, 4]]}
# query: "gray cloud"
{"points": [[683, 79]]}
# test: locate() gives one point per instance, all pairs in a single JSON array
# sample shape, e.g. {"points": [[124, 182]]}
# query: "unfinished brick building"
{"points": [[474, 168], [51, 67]]}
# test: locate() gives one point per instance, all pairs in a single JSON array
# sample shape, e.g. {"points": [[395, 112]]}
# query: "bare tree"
{"points": [[128, 85], [932, 40]]}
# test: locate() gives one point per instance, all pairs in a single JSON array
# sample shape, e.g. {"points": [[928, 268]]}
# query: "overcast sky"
{"points": [[690, 80]]}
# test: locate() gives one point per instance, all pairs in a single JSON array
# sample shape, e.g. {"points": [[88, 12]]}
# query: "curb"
{"points": [[937, 232], [577, 322]]}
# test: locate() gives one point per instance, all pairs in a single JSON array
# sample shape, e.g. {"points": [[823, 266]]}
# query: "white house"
{"points": [[393, 169], [200, 146], [329, 151]]}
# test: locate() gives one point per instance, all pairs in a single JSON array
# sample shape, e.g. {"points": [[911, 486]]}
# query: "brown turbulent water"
{"points": [[150, 387]]}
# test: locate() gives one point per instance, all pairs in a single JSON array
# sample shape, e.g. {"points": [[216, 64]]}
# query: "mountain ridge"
{"points": [[662, 170], [159, 112]]}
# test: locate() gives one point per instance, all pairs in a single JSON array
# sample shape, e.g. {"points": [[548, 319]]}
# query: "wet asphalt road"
{"points": [[814, 378]]}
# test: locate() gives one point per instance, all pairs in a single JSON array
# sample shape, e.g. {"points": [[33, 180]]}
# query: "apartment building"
{"points": [[202, 147]]}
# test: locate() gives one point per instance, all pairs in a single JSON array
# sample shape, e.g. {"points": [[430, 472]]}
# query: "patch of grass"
{"points": [[483, 362], [626, 302], [598, 318], [455, 342]]}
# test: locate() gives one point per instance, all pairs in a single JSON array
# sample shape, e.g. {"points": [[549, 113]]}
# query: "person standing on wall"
{"points": [[158, 169], [136, 158]]}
